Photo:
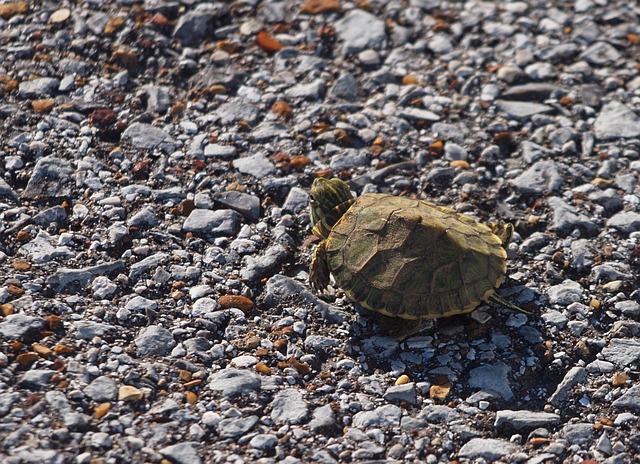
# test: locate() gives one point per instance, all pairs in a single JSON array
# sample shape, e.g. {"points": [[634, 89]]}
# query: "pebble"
{"points": [[625, 221], [383, 416], [630, 400], [402, 394], [622, 351], [22, 327], [102, 389], [574, 377], [154, 341], [182, 453], [223, 222], [616, 120], [234, 382], [146, 136], [492, 377], [542, 176], [256, 165], [288, 407], [358, 30], [524, 420], [521, 110], [490, 449], [51, 178], [243, 203]]}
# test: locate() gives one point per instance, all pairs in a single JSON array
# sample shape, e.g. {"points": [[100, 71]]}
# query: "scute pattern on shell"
{"points": [[412, 259]]}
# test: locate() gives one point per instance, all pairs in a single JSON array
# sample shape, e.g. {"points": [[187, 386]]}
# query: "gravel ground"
{"points": [[156, 158]]}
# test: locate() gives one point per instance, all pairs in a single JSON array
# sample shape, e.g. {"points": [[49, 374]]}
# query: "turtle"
{"points": [[404, 258]]}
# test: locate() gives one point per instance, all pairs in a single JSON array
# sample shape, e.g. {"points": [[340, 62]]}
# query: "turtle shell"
{"points": [[412, 259]]}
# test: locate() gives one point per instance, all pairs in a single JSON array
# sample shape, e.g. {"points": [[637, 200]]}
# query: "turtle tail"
{"points": [[497, 299]]}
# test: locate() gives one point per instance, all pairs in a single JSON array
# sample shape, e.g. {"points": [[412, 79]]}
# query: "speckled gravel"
{"points": [[155, 236]]}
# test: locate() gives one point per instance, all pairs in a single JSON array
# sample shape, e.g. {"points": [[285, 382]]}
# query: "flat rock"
{"points": [[565, 293], [154, 341], [615, 121], [417, 114], [575, 376], [438, 414], [288, 407], [492, 377], [146, 136], [543, 176], [255, 268], [51, 178], [22, 327], [102, 389], [222, 222], [40, 87], [244, 203], [237, 110], [566, 218], [256, 165], [236, 426], [182, 453], [235, 382], [600, 54], [65, 278], [630, 399], [622, 351], [140, 268], [383, 416], [522, 110], [524, 420], [41, 249], [625, 221], [490, 449], [358, 29], [536, 92]]}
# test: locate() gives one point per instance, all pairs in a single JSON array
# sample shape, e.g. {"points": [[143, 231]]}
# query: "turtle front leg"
{"points": [[319, 270]]}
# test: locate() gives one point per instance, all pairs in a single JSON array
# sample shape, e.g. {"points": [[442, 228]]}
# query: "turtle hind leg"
{"points": [[319, 269], [399, 328], [497, 299]]}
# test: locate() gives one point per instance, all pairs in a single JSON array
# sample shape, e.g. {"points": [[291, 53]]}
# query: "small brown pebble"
{"points": [[461, 164], [42, 105], [404, 378], [243, 303], [27, 358], [299, 162], [619, 379], [558, 257], [280, 344], [21, 265], [538, 441], [184, 375], [11, 9], [314, 7], [268, 43], [436, 148], [409, 79], [54, 322], [595, 304], [251, 342], [192, 397], [63, 350], [60, 16], [6, 309], [114, 24], [101, 410], [263, 368], [302, 368], [601, 183], [606, 421], [15, 290], [633, 39], [282, 109], [43, 351], [439, 392], [129, 393], [23, 236]]}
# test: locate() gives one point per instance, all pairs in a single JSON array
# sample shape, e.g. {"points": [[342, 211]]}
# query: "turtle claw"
{"points": [[319, 270]]}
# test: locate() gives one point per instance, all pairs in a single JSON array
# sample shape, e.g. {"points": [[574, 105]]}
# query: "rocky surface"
{"points": [[156, 158]]}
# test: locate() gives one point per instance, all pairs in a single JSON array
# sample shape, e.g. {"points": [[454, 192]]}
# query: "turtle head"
{"points": [[330, 198]]}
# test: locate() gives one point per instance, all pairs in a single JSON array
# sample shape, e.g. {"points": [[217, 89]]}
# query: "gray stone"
{"points": [[312, 91], [438, 414], [440, 44], [144, 218], [615, 121], [490, 449], [234, 382], [524, 420], [288, 407], [191, 28], [102, 389], [345, 87], [578, 434], [358, 30], [323, 420], [562, 52], [492, 377], [38, 88], [349, 159], [630, 399], [566, 218], [55, 215], [256, 165], [236, 426], [402, 394], [36, 379], [297, 200], [622, 351], [220, 151], [140, 304], [565, 293], [537, 92], [158, 98], [630, 309], [154, 341], [600, 54], [22, 327], [7, 192], [543, 176], [140, 268], [182, 453], [575, 376], [51, 178], [222, 222], [87, 330], [268, 130], [264, 441], [625, 221], [41, 250], [146, 136], [522, 110], [281, 289], [610, 271], [257, 267], [7, 400], [417, 114], [244, 203], [383, 416], [237, 110]]}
